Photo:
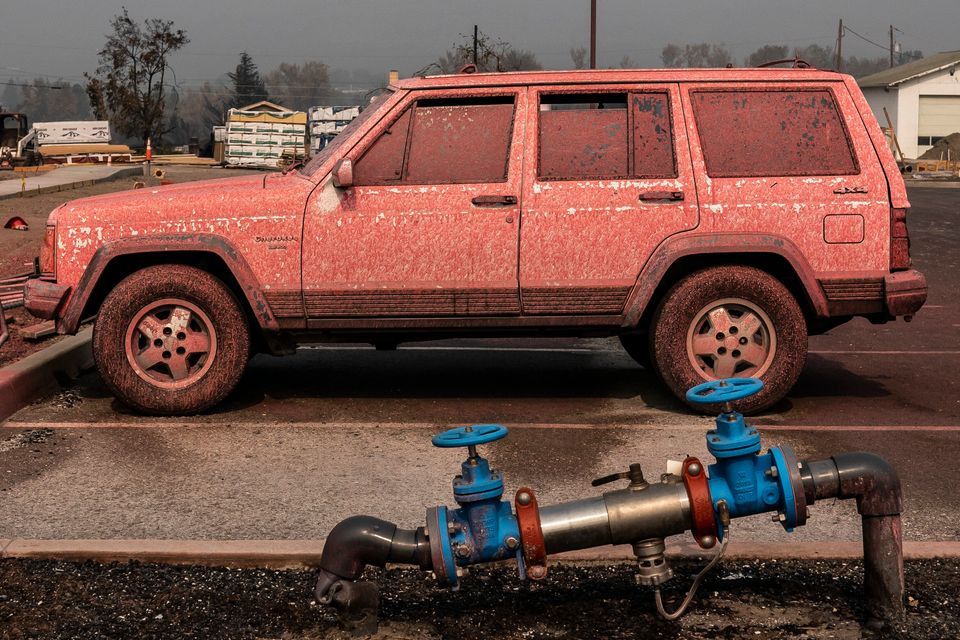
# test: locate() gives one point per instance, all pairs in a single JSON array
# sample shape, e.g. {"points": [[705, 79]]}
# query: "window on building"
{"points": [[442, 141], [772, 133], [590, 136]]}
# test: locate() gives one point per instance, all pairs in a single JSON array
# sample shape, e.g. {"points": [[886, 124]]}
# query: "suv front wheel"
{"points": [[171, 339], [730, 322]]}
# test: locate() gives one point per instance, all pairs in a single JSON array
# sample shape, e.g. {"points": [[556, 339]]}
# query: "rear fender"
{"points": [[709, 245]]}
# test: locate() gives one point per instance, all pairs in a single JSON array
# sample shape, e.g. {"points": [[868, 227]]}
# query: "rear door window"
{"points": [[757, 133], [442, 141], [605, 136]]}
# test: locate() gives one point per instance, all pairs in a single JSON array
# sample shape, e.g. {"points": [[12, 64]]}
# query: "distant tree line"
{"points": [[717, 55], [135, 88]]}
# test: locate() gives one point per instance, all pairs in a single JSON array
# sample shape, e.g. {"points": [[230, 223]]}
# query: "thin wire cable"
{"points": [[725, 518], [865, 39]]}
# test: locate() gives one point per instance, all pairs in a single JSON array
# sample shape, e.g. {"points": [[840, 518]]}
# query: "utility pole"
{"points": [[839, 64], [593, 34], [475, 30], [891, 46]]}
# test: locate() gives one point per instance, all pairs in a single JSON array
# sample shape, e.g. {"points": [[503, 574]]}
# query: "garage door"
{"points": [[939, 117]]}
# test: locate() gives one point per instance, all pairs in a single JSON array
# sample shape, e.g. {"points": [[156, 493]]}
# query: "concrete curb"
{"points": [[67, 186], [43, 372], [290, 554], [938, 184]]}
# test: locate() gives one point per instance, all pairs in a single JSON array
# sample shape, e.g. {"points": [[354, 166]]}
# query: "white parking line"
{"points": [[582, 350], [692, 426]]}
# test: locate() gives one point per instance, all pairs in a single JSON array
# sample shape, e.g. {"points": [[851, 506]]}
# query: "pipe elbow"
{"points": [[355, 543], [872, 481]]}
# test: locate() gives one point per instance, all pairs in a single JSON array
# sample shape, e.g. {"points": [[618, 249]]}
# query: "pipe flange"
{"points": [[531, 534], [441, 553], [791, 484], [702, 516]]}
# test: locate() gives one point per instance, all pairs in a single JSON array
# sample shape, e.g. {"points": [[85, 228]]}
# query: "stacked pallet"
{"points": [[265, 138], [326, 123]]}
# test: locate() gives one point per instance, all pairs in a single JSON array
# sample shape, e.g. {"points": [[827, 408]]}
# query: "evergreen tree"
{"points": [[248, 86]]}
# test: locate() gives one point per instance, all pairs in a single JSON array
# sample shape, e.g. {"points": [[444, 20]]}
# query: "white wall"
{"points": [[935, 84], [879, 98], [903, 104]]}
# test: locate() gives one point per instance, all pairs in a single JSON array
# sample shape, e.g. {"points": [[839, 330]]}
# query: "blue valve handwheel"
{"points": [[726, 390], [469, 436]]}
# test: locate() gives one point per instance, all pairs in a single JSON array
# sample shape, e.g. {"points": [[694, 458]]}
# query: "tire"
{"points": [[171, 340], [637, 347], [730, 321]]}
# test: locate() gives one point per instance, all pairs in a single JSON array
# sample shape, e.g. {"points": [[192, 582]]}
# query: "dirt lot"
{"points": [[18, 248], [739, 600]]}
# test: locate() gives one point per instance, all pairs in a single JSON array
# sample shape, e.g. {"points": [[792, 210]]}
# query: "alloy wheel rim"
{"points": [[170, 343], [731, 338]]}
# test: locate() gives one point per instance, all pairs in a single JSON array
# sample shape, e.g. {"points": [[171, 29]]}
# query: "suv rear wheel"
{"points": [[171, 339], [730, 322]]}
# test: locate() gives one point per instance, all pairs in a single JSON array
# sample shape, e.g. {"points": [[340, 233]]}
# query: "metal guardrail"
{"points": [[11, 296]]}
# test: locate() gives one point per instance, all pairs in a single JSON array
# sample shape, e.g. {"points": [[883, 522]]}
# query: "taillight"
{"points": [[48, 253], [899, 240]]}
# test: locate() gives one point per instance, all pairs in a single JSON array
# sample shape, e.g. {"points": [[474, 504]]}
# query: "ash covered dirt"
{"points": [[755, 599]]}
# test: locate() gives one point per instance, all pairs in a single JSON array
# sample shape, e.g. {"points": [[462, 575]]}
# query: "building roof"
{"points": [[603, 76], [263, 105], [916, 69]]}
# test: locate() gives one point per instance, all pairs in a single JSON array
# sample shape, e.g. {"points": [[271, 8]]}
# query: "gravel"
{"points": [[758, 599]]}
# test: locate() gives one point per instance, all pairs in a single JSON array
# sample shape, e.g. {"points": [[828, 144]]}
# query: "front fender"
{"points": [[167, 244]]}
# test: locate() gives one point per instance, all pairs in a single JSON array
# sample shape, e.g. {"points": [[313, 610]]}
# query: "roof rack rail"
{"points": [[798, 63]]}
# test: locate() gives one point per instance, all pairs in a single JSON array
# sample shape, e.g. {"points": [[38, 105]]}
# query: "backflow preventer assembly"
{"points": [[742, 482]]}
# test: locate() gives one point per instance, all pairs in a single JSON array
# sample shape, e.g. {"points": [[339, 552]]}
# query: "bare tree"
{"points": [[626, 62], [696, 55], [492, 55], [129, 87], [299, 86], [579, 57], [767, 53]]}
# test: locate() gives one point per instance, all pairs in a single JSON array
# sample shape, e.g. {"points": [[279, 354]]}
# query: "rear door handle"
{"points": [[494, 201], [661, 196]]}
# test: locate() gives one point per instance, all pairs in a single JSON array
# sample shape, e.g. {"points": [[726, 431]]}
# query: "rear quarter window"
{"points": [[757, 133]]}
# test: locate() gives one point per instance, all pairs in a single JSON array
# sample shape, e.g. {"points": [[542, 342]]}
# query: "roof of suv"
{"points": [[604, 76]]}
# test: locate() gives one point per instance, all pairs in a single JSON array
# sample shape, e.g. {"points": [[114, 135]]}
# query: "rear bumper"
{"points": [[44, 299], [904, 292], [901, 293]]}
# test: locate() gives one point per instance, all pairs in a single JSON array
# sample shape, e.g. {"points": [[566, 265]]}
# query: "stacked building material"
{"points": [[265, 138], [326, 123]]}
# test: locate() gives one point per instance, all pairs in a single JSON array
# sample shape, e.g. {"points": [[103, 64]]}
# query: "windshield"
{"points": [[347, 131]]}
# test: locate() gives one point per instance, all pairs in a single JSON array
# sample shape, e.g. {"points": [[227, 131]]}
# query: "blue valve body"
{"points": [[749, 482], [478, 531]]}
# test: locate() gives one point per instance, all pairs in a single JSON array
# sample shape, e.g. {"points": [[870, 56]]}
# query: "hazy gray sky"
{"points": [[61, 38]]}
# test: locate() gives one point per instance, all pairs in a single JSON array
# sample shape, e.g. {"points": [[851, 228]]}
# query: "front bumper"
{"points": [[904, 292], [44, 299]]}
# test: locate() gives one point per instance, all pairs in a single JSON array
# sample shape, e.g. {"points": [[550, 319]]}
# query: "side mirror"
{"points": [[343, 174]]}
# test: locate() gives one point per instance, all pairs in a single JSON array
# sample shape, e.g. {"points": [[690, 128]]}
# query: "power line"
{"points": [[864, 38]]}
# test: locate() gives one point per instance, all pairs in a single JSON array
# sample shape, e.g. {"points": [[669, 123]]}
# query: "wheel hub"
{"points": [[731, 338], [170, 343]]}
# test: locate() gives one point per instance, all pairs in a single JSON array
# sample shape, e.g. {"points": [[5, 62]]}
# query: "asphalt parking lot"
{"points": [[340, 430]]}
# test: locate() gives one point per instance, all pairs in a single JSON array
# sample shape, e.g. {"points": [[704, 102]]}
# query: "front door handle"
{"points": [[494, 201], [661, 196]]}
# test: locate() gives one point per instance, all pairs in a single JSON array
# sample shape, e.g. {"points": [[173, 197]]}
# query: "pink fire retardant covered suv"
{"points": [[712, 219]]}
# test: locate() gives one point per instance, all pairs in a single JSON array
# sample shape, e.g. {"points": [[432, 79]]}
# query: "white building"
{"points": [[922, 98]]}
